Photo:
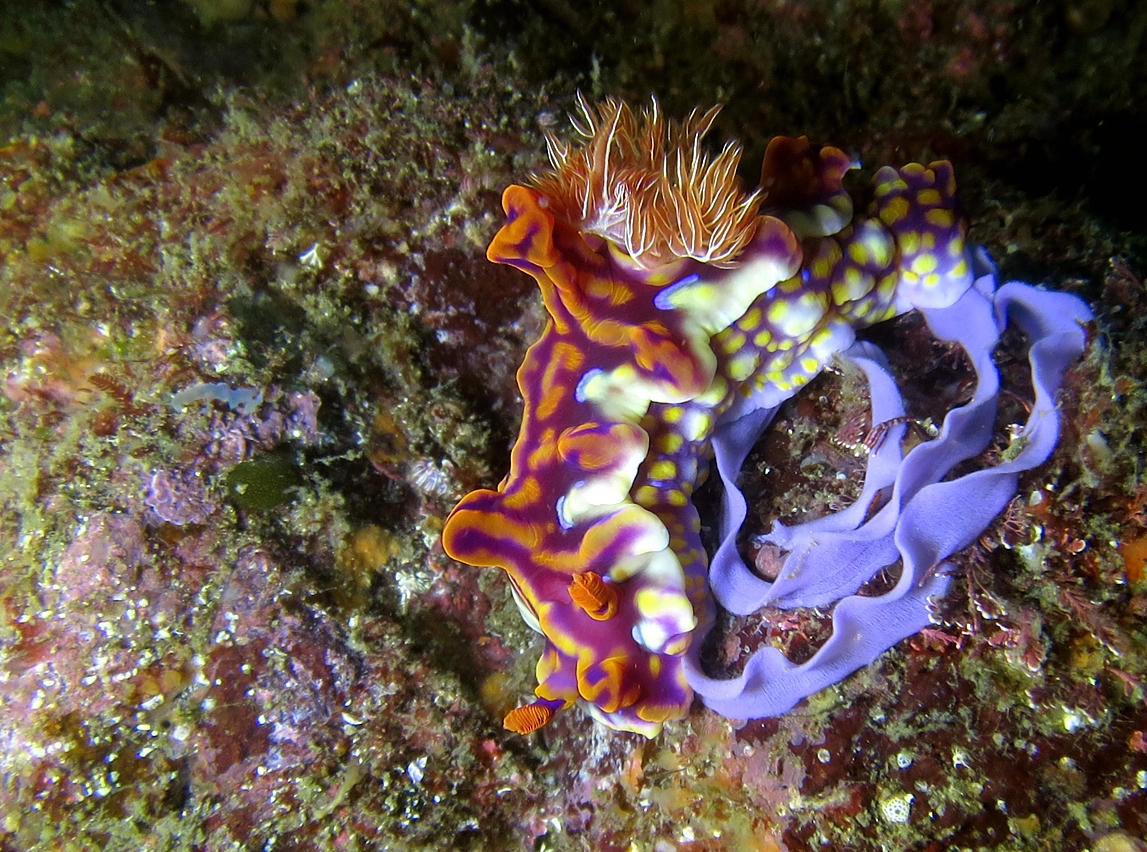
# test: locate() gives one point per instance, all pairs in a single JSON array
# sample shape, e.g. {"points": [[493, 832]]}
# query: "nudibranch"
{"points": [[683, 310]]}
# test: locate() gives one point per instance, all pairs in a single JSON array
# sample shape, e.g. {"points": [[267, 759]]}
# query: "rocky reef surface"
{"points": [[253, 354]]}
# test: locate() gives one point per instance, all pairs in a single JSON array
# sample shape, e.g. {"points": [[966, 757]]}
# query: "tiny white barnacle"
{"points": [[897, 809]]}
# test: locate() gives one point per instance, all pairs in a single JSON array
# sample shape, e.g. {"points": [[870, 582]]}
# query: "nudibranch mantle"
{"points": [[682, 311]]}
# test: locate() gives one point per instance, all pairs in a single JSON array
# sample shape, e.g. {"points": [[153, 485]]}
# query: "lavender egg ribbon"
{"points": [[924, 521]]}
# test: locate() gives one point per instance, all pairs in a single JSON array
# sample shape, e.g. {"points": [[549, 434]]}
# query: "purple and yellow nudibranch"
{"points": [[683, 310]]}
